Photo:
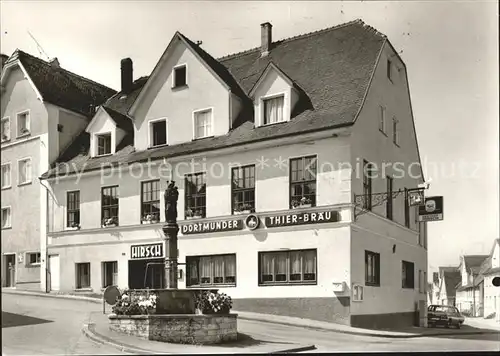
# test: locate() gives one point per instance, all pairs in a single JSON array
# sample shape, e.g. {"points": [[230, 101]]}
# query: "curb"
{"points": [[261, 319], [89, 331]]}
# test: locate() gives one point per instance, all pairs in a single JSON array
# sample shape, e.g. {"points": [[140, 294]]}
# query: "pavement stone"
{"points": [[411, 332]]}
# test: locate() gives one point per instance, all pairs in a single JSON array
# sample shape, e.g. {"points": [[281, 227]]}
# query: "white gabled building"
{"points": [[268, 148]]}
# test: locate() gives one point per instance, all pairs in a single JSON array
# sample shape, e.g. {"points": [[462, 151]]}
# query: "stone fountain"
{"points": [[176, 318]]}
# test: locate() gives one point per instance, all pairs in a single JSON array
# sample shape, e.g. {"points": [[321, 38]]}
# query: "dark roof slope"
{"points": [[447, 269], [62, 87], [474, 261], [121, 121], [332, 66], [452, 279]]}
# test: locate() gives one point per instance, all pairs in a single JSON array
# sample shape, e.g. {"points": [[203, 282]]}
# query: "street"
{"points": [[37, 325]]}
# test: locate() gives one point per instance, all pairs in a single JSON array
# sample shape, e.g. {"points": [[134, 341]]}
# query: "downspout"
{"points": [[46, 257]]}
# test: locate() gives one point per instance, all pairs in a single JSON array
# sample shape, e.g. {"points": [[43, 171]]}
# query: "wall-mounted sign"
{"points": [[211, 226], [432, 210], [252, 222], [146, 251], [303, 218]]}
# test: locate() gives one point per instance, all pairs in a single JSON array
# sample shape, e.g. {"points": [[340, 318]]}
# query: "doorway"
{"points": [[146, 273], [54, 272], [10, 269]]}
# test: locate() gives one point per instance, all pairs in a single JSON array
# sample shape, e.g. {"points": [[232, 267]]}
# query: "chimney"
{"points": [[266, 31], [127, 74], [54, 63]]}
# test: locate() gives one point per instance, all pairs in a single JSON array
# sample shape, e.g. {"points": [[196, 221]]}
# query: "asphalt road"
{"points": [[47, 326]]}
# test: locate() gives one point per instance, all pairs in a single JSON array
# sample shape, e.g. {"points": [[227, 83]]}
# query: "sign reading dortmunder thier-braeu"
{"points": [[432, 210], [211, 226], [313, 217], [146, 251]]}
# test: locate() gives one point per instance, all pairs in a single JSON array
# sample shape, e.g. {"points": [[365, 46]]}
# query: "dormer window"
{"points": [[23, 124], [179, 76], [273, 110], [103, 144], [203, 124], [158, 132]]}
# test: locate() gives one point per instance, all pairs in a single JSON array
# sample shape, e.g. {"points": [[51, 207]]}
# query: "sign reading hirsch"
{"points": [[302, 218], [211, 226], [146, 251], [432, 210]]}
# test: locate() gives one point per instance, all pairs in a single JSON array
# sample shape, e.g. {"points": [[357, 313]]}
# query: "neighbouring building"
{"points": [[469, 293], [43, 108], [449, 278], [268, 148], [490, 292]]}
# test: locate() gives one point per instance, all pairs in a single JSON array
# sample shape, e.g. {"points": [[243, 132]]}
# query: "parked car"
{"points": [[445, 315]]}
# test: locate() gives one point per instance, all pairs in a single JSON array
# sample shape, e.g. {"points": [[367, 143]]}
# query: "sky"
{"points": [[450, 49]]}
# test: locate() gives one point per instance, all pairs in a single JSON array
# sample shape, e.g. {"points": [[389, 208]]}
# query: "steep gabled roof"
{"points": [[442, 270], [61, 87], [473, 262], [451, 279], [121, 121], [333, 66]]}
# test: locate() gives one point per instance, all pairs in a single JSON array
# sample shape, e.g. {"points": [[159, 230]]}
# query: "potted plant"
{"points": [[213, 303], [244, 208], [150, 219], [109, 222], [193, 214], [74, 226], [24, 131], [295, 204], [305, 202]]}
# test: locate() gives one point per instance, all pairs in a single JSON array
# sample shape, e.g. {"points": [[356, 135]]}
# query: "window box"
{"points": [[150, 219], [73, 227], [190, 215], [110, 222], [302, 203], [243, 212]]}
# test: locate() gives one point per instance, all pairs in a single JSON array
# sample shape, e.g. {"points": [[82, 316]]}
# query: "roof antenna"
{"points": [[39, 47]]}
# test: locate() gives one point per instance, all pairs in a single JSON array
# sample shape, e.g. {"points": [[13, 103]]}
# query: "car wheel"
{"points": [[458, 325], [448, 324]]}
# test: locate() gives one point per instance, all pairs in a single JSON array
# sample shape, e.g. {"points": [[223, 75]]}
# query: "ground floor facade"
{"points": [[314, 264]]}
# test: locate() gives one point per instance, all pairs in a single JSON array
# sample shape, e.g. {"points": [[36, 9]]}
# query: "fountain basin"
{"points": [[203, 329]]}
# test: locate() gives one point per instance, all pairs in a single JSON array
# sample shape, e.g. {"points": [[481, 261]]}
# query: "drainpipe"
{"points": [[46, 257]]}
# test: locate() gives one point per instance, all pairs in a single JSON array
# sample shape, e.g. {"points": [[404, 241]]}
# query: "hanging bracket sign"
{"points": [[432, 210]]}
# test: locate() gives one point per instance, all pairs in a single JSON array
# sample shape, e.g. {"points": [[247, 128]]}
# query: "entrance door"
{"points": [[145, 273], [10, 269], [54, 272]]}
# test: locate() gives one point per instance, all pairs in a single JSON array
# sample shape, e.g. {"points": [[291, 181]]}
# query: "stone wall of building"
{"points": [[178, 328]]}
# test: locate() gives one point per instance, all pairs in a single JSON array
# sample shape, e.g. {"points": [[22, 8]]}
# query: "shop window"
{"points": [[82, 275], [372, 268], [150, 201], [287, 267], [73, 213], [33, 258], [196, 191], [303, 182], [109, 206], [408, 274], [243, 189], [211, 270], [109, 274], [367, 185]]}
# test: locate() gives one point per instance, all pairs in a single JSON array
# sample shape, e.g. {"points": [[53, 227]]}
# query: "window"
{"points": [[243, 188], [303, 181], [273, 110], [196, 191], [158, 133], [395, 132], [408, 275], [211, 270], [381, 124], [203, 124], [287, 267], [5, 128], [389, 70], [109, 205], [180, 76], [6, 176], [150, 201], [33, 258], [73, 213], [109, 274], [23, 124], [388, 206], [372, 268], [60, 127], [24, 171], [104, 144], [367, 185], [357, 293], [82, 275], [6, 218]]}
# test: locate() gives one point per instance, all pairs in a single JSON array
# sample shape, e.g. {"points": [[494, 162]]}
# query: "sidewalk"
{"points": [[411, 332], [482, 323]]}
